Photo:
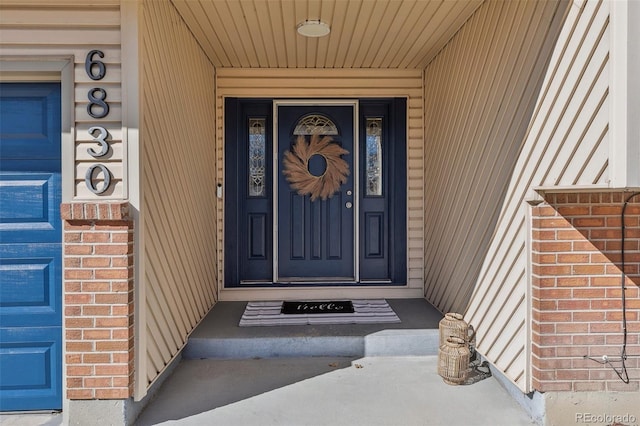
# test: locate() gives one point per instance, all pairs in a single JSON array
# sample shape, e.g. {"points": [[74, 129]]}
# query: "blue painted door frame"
{"points": [[249, 220], [30, 247]]}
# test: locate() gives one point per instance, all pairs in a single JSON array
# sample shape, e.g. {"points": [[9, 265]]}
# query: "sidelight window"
{"points": [[257, 157], [373, 161]]}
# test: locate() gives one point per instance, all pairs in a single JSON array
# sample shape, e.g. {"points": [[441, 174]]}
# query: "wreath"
{"points": [[296, 167]]}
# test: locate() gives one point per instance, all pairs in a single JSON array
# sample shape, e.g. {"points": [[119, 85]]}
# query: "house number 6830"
{"points": [[97, 108]]}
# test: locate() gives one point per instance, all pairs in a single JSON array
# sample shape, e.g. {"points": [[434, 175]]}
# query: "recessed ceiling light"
{"points": [[313, 28]]}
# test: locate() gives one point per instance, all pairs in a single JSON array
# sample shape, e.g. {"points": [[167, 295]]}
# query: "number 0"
{"points": [[88, 179]]}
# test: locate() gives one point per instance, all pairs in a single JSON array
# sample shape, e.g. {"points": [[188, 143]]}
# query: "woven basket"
{"points": [[453, 325], [453, 361]]}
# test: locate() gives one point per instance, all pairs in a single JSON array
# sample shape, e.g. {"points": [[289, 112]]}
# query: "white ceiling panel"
{"points": [[396, 34]]}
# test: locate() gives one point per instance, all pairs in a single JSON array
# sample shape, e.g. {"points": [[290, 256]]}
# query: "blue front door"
{"points": [[316, 201], [30, 247]]}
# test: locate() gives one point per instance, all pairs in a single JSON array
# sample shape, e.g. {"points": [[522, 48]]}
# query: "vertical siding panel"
{"points": [[179, 166], [480, 94], [479, 122], [465, 66], [338, 84], [566, 144]]}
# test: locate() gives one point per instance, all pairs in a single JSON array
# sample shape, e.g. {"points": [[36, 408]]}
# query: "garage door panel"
{"points": [[29, 367], [30, 121], [27, 213], [29, 290], [30, 247]]}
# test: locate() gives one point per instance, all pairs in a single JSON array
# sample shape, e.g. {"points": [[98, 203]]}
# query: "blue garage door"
{"points": [[30, 247]]}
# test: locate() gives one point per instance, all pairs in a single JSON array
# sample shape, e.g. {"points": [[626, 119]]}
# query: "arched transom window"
{"points": [[315, 124]]}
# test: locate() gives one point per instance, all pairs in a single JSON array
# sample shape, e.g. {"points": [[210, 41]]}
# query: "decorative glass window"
{"points": [[257, 157], [315, 123], [373, 160]]}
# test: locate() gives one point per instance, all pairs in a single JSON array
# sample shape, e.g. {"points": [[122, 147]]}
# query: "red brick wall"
{"points": [[98, 297], [577, 307]]}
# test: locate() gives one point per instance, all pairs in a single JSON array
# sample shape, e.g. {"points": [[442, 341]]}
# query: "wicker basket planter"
{"points": [[453, 325], [453, 360]]}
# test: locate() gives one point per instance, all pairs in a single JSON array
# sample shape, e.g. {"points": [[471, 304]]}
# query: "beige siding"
{"points": [[37, 29], [479, 95], [299, 83], [567, 144], [178, 169]]}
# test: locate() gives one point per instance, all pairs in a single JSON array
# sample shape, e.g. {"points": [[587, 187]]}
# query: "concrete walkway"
{"points": [[31, 419], [401, 391], [374, 374]]}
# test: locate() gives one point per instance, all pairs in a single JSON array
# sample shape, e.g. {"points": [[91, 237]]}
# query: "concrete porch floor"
{"points": [[374, 374], [219, 336]]}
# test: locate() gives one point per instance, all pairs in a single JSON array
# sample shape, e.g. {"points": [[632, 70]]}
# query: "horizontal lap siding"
{"points": [[479, 95], [179, 204], [340, 84], [32, 29], [566, 144]]}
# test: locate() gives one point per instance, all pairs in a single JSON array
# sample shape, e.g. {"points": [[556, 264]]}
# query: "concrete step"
{"points": [[220, 337], [382, 343]]}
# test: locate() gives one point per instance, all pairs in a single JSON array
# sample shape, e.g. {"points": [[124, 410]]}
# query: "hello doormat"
{"points": [[301, 308], [365, 311]]}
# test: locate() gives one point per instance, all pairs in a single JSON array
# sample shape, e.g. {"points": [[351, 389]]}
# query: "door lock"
{"points": [[349, 204]]}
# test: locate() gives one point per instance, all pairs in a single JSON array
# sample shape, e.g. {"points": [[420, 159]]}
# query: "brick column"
{"points": [[577, 308], [98, 297]]}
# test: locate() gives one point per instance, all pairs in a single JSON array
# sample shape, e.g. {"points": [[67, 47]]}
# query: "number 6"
{"points": [[89, 62]]}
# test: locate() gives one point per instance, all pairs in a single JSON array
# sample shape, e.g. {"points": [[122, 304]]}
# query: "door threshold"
{"points": [[316, 281], [319, 293]]}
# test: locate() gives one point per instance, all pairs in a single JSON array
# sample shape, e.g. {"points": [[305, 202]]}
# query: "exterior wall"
{"points": [[97, 239], [624, 88], [345, 83], [179, 205], [480, 93], [577, 304], [71, 29], [566, 144], [98, 298]]}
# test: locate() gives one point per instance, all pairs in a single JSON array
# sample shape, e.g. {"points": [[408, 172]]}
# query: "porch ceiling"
{"points": [[364, 33]]}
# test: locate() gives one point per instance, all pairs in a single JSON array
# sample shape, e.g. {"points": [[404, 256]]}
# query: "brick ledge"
{"points": [[112, 210]]}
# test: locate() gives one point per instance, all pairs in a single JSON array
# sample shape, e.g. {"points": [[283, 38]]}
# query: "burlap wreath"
{"points": [[296, 167]]}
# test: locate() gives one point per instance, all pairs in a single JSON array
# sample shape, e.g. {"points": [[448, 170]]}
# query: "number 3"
{"points": [[101, 139]]}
